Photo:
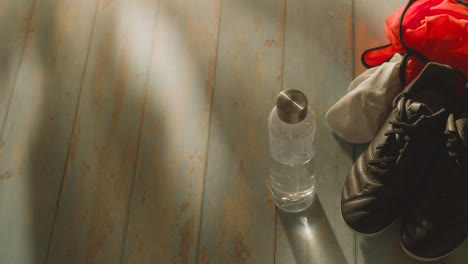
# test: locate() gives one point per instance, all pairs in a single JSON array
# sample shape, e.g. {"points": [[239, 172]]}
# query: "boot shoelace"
{"points": [[395, 144], [456, 148]]}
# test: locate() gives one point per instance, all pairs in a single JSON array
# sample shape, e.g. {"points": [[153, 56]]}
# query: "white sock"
{"points": [[358, 115]]}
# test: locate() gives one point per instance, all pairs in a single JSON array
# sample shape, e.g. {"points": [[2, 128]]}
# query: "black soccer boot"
{"points": [[437, 223], [382, 180]]}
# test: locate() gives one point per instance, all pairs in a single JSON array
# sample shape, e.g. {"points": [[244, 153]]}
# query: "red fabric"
{"points": [[413, 69], [377, 57], [436, 28]]}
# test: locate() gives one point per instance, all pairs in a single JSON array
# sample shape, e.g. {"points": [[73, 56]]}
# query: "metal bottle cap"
{"points": [[291, 106]]}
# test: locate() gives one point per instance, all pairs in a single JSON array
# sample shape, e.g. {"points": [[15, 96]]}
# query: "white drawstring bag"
{"points": [[358, 115]]}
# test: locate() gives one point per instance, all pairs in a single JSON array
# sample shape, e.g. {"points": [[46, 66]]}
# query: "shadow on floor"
{"points": [[310, 236]]}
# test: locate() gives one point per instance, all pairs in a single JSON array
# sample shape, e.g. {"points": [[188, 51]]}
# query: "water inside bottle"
{"points": [[292, 180]]}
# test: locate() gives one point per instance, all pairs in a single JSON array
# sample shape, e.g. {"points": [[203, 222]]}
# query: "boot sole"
{"points": [[425, 259], [368, 234]]}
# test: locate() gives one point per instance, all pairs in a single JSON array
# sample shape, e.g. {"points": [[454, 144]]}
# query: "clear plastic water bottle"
{"points": [[291, 131]]}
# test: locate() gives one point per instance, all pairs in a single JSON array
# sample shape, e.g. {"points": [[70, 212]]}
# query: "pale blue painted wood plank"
{"points": [[15, 16], [39, 125], [92, 212], [318, 60], [165, 209], [238, 217]]}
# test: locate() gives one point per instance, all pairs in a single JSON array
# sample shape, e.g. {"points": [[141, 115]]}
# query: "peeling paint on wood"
{"points": [[103, 149], [240, 228], [165, 207], [12, 16], [7, 175], [38, 127]]}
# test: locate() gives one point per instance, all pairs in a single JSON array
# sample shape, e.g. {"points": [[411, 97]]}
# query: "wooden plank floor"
{"points": [[37, 129], [134, 131]]}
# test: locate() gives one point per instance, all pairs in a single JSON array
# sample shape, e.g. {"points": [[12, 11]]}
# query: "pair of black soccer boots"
{"points": [[417, 167]]}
